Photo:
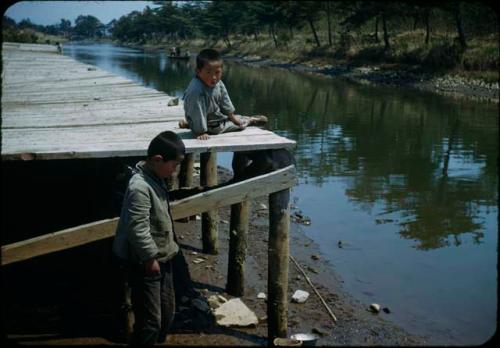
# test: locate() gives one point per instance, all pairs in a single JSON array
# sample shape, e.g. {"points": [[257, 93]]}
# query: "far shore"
{"points": [[375, 74]]}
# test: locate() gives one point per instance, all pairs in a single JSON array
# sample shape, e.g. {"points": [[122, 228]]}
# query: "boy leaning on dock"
{"points": [[207, 106], [146, 246]]}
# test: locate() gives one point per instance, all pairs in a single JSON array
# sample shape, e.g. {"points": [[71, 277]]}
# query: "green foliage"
{"points": [[88, 27], [439, 35]]}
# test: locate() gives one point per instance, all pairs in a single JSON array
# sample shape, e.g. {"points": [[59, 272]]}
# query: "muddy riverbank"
{"points": [[407, 76], [389, 75]]}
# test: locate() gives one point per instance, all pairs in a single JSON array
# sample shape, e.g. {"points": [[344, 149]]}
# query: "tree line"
{"points": [[281, 20]]}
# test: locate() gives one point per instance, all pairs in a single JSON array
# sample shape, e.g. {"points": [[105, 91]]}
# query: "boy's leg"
{"points": [[183, 124], [167, 295], [146, 304], [246, 121]]}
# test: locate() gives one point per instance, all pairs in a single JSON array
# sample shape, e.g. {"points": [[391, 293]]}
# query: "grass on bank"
{"points": [[408, 51], [30, 36]]}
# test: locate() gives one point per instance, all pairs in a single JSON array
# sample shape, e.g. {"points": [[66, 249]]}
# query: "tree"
{"points": [[65, 27], [309, 12], [88, 27]]}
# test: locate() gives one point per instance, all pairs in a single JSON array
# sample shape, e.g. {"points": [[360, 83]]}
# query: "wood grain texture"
{"points": [[56, 108]]}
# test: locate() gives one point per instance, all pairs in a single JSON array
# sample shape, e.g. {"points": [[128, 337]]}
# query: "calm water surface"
{"points": [[408, 181]]}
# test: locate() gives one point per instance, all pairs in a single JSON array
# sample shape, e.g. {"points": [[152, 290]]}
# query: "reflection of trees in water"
{"points": [[391, 148]]}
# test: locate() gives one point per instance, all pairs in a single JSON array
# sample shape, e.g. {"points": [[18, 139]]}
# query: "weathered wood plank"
{"points": [[251, 188], [56, 108], [52, 242], [216, 198]]}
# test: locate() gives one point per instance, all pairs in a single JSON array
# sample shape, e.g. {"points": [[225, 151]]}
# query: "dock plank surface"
{"points": [[54, 107]]}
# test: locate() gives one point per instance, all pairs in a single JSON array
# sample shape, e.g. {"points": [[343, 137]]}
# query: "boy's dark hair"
{"points": [[205, 56], [167, 144]]}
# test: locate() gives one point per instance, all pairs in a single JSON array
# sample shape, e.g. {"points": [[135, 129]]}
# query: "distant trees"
{"points": [[88, 27], [380, 22], [280, 19]]}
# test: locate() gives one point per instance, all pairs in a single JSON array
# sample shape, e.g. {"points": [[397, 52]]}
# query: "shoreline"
{"points": [[449, 85], [412, 77], [355, 325]]}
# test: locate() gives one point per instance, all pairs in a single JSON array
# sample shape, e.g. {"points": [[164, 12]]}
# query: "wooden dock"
{"points": [[55, 108]]}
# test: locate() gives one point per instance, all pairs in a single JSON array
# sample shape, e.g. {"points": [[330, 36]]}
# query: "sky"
{"points": [[51, 12]]}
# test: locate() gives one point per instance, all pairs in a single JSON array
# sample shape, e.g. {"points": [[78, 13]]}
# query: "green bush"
{"points": [[22, 36]]}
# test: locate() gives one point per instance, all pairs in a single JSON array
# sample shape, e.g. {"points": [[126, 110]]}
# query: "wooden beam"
{"points": [[238, 192], [65, 239], [216, 198]]}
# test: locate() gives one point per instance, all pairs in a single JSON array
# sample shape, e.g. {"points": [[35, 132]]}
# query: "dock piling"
{"points": [[209, 219], [278, 253], [238, 230]]}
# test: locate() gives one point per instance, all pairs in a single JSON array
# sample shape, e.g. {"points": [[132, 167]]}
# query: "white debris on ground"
{"points": [[235, 313], [300, 296]]}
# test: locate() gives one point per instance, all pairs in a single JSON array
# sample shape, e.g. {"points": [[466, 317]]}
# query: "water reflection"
{"points": [[410, 169], [434, 162]]}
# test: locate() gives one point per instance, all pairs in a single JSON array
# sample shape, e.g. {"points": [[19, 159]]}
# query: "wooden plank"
{"points": [[57, 241], [122, 140], [56, 108], [216, 198], [251, 188]]}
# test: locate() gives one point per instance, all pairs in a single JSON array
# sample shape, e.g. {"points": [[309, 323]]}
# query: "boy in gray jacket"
{"points": [[207, 106], [145, 242]]}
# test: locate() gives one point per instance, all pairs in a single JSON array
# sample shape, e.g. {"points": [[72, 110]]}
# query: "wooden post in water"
{"points": [[278, 253], [209, 219], [238, 230]]}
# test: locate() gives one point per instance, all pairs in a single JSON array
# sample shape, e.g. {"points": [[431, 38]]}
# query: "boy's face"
{"points": [[211, 73], [164, 169]]}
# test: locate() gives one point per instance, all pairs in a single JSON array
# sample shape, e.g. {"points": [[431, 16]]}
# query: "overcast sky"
{"points": [[51, 12]]}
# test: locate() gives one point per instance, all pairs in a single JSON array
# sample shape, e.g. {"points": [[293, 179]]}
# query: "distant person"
{"points": [[178, 51], [173, 51], [207, 106], [59, 47], [145, 244]]}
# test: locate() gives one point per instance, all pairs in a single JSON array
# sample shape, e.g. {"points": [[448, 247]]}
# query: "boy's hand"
{"points": [[203, 136], [152, 267]]}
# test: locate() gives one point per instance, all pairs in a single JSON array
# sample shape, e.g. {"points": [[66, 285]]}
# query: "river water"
{"points": [[406, 180]]}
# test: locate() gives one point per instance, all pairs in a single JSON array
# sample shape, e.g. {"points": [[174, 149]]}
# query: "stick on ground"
{"points": [[314, 288]]}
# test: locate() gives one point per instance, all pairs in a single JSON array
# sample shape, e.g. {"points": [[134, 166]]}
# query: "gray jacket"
{"points": [[145, 229], [206, 107]]}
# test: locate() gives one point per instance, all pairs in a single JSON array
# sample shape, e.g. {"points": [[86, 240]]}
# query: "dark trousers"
{"points": [[154, 298], [153, 302]]}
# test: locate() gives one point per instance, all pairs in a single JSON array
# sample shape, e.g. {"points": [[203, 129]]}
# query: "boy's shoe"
{"points": [[183, 124], [257, 120]]}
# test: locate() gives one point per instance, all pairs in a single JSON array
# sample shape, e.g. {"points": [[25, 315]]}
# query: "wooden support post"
{"points": [[128, 314], [186, 177], [186, 171], [278, 253], [238, 230], [209, 219]]}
